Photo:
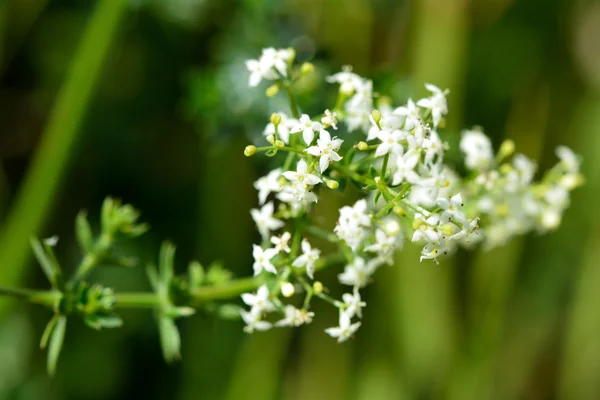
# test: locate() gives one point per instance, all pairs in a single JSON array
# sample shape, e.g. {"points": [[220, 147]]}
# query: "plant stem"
{"points": [[226, 290], [293, 105], [35, 197], [46, 298]]}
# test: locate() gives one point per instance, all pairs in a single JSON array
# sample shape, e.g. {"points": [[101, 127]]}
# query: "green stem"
{"points": [[36, 195], [45, 298], [137, 300], [293, 105], [385, 164]]}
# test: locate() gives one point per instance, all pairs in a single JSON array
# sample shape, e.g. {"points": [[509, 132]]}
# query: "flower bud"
{"points": [[376, 114], [399, 211], [331, 184], [318, 287], [307, 68], [505, 169], [362, 146], [447, 229], [287, 289], [279, 144], [416, 224], [249, 150], [275, 119], [292, 52], [272, 90], [271, 139], [507, 148], [392, 227]]}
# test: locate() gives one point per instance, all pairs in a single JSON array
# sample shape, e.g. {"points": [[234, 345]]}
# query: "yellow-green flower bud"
{"points": [[318, 287], [376, 114], [271, 139], [507, 148], [399, 211], [279, 144], [272, 90], [362, 146], [447, 229], [249, 150], [275, 119], [416, 224], [287, 289], [307, 68], [331, 184]]}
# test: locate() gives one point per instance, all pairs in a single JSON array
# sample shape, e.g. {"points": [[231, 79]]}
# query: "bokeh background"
{"points": [[148, 101]]}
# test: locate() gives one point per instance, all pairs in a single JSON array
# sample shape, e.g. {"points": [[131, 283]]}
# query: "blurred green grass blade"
{"points": [[260, 366], [37, 192], [580, 366]]}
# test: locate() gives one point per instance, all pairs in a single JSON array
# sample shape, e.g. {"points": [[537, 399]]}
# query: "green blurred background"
{"points": [[148, 101]]}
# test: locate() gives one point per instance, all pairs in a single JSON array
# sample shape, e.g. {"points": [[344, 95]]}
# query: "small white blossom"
{"points": [[345, 329], [281, 243], [262, 260], [436, 103], [384, 246], [295, 317], [349, 81], [329, 119], [568, 158], [405, 165], [359, 272], [260, 301], [264, 220], [301, 175], [451, 208], [411, 116], [253, 322], [268, 184], [326, 149], [477, 148], [308, 128], [308, 258], [353, 303], [390, 142]]}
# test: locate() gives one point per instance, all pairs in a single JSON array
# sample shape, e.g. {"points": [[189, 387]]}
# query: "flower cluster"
{"points": [[409, 192]]}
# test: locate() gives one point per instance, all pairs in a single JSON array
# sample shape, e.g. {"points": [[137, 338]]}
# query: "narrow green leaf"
{"points": [[153, 277], [196, 275], [111, 321], [106, 214], [49, 266], [57, 339], [83, 231], [166, 266], [48, 331], [170, 340]]}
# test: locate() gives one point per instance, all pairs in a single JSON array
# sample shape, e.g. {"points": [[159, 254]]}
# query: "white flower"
{"points": [[282, 242], [451, 208], [308, 258], [353, 303], [359, 272], [301, 175], [351, 224], [427, 228], [276, 59], [326, 149], [295, 317], [268, 184], [260, 301], [432, 251], [329, 119], [384, 246], [436, 103], [253, 322], [469, 228], [410, 112], [308, 128], [259, 71], [262, 260], [568, 158], [390, 142], [283, 129], [345, 328], [405, 165], [477, 148], [348, 81], [264, 220]]}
